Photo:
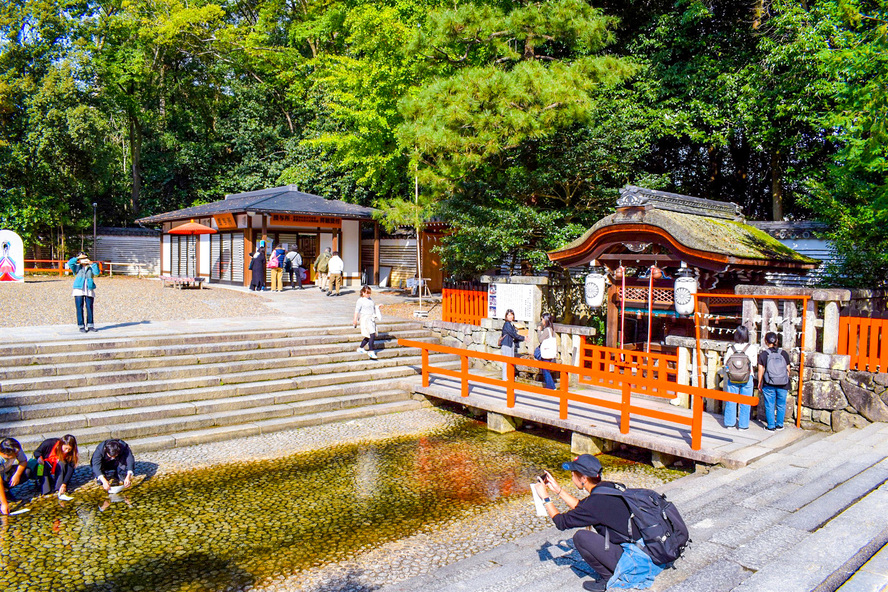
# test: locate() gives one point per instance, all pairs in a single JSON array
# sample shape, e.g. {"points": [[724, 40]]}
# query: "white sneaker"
{"points": [[372, 355], [361, 350]]}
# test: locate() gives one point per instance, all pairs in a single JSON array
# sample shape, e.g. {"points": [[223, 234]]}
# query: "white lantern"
{"points": [[595, 286], [683, 291]]}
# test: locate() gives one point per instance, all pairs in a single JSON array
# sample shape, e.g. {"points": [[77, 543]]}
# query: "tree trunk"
{"points": [[776, 187], [135, 158]]}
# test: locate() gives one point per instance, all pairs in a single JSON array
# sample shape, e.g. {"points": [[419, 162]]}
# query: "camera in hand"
{"points": [[542, 477]]}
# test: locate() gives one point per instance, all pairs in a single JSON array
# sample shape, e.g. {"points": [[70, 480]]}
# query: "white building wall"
{"points": [[166, 256], [203, 265], [351, 251]]}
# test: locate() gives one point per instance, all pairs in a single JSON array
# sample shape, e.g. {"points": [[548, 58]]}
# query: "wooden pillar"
{"points": [[704, 322], [613, 317], [265, 229], [375, 253]]}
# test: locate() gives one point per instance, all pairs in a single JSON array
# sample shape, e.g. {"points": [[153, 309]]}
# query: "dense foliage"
{"points": [[520, 119]]}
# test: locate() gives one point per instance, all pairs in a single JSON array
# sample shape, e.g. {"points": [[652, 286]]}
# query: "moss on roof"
{"points": [[730, 238]]}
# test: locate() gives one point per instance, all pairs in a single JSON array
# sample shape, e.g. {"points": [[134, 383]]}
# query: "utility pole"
{"points": [[94, 231]]}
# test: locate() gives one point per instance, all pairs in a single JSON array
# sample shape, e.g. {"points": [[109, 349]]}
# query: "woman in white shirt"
{"points": [[735, 371], [365, 313]]}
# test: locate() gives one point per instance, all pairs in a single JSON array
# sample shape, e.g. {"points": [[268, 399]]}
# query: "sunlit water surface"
{"points": [[233, 526]]}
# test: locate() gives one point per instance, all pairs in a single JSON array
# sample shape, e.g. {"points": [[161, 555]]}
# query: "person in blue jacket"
{"points": [[84, 291]]}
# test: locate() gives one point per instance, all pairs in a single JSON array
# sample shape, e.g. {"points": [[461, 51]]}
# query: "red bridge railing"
{"points": [[626, 383]]}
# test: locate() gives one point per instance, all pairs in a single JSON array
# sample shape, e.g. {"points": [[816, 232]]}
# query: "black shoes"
{"points": [[595, 585], [83, 329]]}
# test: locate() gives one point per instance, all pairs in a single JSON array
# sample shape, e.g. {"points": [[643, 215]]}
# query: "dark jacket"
{"points": [[510, 335], [101, 463], [602, 512], [45, 449]]}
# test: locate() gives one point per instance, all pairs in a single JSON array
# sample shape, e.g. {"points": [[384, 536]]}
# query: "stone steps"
{"points": [[802, 518], [161, 391]]}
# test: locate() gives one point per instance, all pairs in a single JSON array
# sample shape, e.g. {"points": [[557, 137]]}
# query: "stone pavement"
{"points": [[810, 517]]}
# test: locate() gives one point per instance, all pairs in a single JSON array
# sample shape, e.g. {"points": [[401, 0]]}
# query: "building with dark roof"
{"points": [[279, 216]]}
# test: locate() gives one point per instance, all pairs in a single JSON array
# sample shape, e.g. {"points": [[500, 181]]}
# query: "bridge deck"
{"points": [[729, 447]]}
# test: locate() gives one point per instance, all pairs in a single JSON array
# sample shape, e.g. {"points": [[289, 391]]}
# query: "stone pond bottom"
{"points": [[253, 525]]}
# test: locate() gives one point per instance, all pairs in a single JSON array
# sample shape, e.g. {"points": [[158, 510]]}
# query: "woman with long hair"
{"points": [[547, 350], [739, 364], [365, 314], [56, 459], [510, 340]]}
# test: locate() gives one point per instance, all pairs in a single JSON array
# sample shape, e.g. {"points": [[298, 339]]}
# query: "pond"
{"points": [[233, 526]]}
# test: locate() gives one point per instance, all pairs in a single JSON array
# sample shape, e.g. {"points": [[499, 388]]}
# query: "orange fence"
{"points": [[610, 363], [56, 266], [464, 303], [626, 383], [866, 341]]}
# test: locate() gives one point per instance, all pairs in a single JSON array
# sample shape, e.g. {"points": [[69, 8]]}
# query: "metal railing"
{"points": [[626, 383]]}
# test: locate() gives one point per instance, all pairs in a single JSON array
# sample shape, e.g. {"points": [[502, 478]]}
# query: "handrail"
{"points": [[625, 406], [60, 269]]}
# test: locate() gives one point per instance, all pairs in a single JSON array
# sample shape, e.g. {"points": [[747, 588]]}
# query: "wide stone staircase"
{"points": [[167, 390], [810, 517]]}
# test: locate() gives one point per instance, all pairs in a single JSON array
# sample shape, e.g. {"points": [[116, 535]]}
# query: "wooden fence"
{"points": [[865, 339], [610, 364], [464, 303]]}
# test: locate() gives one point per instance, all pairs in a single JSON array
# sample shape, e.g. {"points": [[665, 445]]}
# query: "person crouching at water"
{"points": [[84, 292], [365, 314], [13, 470], [113, 461], [607, 515], [56, 459]]}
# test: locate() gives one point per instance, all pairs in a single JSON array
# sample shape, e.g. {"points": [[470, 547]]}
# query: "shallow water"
{"points": [[233, 526]]}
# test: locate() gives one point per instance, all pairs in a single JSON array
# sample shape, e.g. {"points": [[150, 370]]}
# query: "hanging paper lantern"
{"points": [[683, 290], [595, 286]]}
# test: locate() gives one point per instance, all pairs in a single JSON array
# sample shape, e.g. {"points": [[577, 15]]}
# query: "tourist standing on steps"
{"points": [[320, 267], [366, 313], [113, 462], [608, 515], [335, 268], [56, 459], [277, 273], [739, 363], [13, 470], [547, 351], [84, 292], [257, 269], [509, 340], [293, 265], [773, 381]]}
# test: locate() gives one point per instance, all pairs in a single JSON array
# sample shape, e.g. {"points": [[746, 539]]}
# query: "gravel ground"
{"points": [[122, 299]]}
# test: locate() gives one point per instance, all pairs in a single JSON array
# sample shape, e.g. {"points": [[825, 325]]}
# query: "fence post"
{"points": [[425, 367], [565, 381], [465, 375], [510, 387], [624, 408], [697, 423], [830, 327]]}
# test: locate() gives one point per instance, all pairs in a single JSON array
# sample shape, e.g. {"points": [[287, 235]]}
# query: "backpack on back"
{"points": [[738, 366], [653, 519], [775, 370]]}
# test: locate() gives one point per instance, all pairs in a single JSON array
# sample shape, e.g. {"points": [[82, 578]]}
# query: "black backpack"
{"points": [[653, 519]]}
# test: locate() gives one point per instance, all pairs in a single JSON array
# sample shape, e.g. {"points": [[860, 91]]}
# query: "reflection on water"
{"points": [[225, 528]]}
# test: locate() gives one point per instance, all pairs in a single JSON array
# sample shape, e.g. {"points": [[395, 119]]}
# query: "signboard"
{"points": [[302, 220], [502, 297], [225, 221], [12, 257]]}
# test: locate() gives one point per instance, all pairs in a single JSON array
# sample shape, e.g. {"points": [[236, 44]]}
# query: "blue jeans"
{"points": [[774, 395], [548, 381], [731, 417], [79, 303]]}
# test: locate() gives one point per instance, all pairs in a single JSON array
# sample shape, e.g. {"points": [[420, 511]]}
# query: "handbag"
{"points": [[272, 263], [549, 348]]}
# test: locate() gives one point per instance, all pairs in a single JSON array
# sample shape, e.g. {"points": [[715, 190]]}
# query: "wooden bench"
{"points": [[182, 281]]}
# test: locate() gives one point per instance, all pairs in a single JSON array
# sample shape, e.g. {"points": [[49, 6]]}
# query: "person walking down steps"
{"points": [[366, 313]]}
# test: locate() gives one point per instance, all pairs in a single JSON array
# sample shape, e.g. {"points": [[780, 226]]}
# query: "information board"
{"points": [[518, 297]]}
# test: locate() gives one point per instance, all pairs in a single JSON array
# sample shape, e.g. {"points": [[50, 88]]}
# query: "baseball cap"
{"points": [[585, 464]]}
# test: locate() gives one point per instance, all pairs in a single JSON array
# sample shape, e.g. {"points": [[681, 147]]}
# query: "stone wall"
{"points": [[835, 398]]}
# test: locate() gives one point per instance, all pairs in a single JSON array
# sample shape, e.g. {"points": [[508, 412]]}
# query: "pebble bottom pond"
{"points": [[233, 526]]}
